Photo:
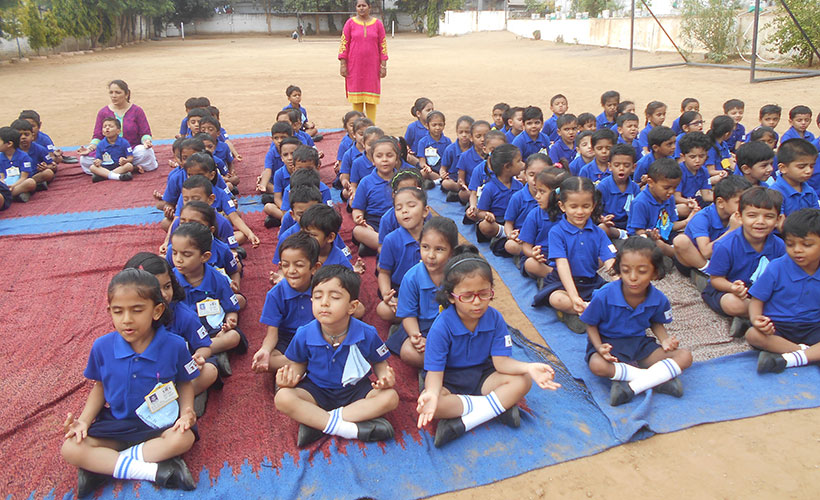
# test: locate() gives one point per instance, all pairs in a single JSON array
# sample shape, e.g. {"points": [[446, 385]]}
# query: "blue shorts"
{"points": [[552, 283], [395, 341], [799, 333], [284, 341], [241, 347], [6, 193], [712, 298], [373, 221], [330, 399], [467, 381], [627, 349], [128, 430]]}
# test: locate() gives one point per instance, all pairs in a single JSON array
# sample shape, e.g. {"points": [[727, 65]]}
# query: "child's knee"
{"points": [[71, 451], [283, 400], [683, 357], [599, 366]]}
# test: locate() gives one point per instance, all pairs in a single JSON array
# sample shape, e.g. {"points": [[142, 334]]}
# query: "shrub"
{"points": [[714, 24]]}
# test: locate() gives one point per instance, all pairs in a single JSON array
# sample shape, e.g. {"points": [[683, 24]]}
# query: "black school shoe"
{"points": [[769, 362], [97, 178], [223, 366], [235, 191], [739, 327], [427, 184], [672, 387], [70, 160], [307, 435], [88, 482], [126, 176], [318, 138], [200, 400], [42, 186], [511, 417], [573, 321], [452, 196], [173, 474], [267, 198], [448, 429], [377, 429], [620, 393], [366, 251]]}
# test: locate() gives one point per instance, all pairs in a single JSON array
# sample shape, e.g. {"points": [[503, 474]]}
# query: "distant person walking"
{"points": [[363, 57]]}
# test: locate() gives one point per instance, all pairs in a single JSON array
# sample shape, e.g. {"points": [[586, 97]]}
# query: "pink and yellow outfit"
{"points": [[364, 47]]}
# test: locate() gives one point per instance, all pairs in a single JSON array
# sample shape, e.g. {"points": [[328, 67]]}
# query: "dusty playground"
{"points": [[764, 457]]}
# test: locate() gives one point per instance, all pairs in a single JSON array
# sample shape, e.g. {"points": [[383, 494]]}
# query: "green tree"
{"points": [[188, 10], [429, 10], [33, 26], [76, 18], [595, 7], [787, 39], [713, 23]]}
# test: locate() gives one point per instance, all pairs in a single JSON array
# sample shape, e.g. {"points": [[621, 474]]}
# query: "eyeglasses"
{"points": [[468, 297], [696, 122]]}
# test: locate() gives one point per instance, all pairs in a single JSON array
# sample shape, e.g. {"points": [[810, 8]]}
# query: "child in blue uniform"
{"points": [[116, 416], [113, 155], [353, 153], [210, 125], [742, 255], [323, 223], [686, 105], [532, 140], [449, 162], [471, 375], [769, 116], [786, 326], [506, 165], [471, 158], [499, 123], [618, 191], [482, 173], [515, 123], [287, 305], [41, 138], [400, 250], [607, 119], [43, 167], [281, 179], [418, 129], [617, 318], [735, 108], [326, 386], [373, 195], [363, 165], [587, 121], [799, 121], [347, 141], [403, 179], [558, 106], [16, 167], [628, 130], [564, 148], [535, 230], [273, 159], [417, 306], [577, 248], [306, 171], [691, 121], [432, 146], [584, 152], [655, 113], [294, 117], [720, 162], [602, 141], [755, 163], [796, 158], [694, 189], [294, 95], [661, 141], [522, 202]]}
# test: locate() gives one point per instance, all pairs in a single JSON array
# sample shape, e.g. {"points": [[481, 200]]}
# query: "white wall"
{"points": [[461, 23], [255, 23]]}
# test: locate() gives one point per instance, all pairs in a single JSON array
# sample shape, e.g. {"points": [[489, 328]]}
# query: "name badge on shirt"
{"points": [[12, 172], [628, 202], [543, 151], [726, 163], [160, 396], [431, 155], [232, 240], [208, 307], [106, 159], [231, 203], [664, 224], [668, 315], [162, 415], [382, 350]]}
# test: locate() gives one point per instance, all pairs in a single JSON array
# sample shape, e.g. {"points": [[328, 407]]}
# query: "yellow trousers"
{"points": [[368, 109]]}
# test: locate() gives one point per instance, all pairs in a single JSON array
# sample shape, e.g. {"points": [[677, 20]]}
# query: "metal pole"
{"points": [[754, 42], [664, 29], [632, 36], [796, 23], [182, 30]]}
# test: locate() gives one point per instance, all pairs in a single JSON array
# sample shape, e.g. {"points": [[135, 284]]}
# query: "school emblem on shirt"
{"points": [[234, 299], [190, 367], [106, 159], [382, 350], [346, 251], [668, 314], [761, 266], [507, 341], [202, 332], [664, 224], [232, 240]]}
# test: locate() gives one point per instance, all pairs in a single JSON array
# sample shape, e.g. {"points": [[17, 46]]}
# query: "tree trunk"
{"points": [[318, 31]]}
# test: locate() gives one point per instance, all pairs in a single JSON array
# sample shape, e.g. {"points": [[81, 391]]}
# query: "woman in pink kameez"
{"points": [[363, 57]]}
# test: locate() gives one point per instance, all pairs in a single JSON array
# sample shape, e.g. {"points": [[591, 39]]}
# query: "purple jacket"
{"points": [[134, 124]]}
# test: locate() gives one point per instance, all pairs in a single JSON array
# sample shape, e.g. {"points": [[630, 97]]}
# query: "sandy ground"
{"points": [[764, 457]]}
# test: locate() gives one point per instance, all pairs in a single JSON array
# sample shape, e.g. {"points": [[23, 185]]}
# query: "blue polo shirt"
{"points": [[127, 377], [281, 180], [614, 317], [451, 345], [186, 324], [616, 202], [511, 136], [399, 253], [327, 196], [451, 156], [719, 156], [784, 287], [44, 140], [373, 196], [529, 145], [550, 128], [345, 144], [223, 152], [304, 137], [362, 166], [735, 259], [221, 166], [495, 197], [643, 137], [705, 223], [20, 161], [792, 200], [520, 205], [183, 127], [110, 154], [295, 228], [648, 213], [560, 150], [576, 165], [536, 229], [676, 126], [325, 365], [388, 223], [634, 144], [213, 286], [222, 259], [415, 131], [177, 177], [418, 295], [691, 183], [593, 172], [286, 309], [222, 203], [581, 247], [642, 166], [602, 122], [224, 230], [794, 134], [273, 160], [338, 255], [38, 155], [479, 177], [467, 162], [814, 181], [433, 150], [301, 110], [737, 136], [349, 157]]}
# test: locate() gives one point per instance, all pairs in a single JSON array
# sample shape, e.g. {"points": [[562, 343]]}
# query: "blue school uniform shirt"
{"points": [[634, 144], [467, 162], [183, 127], [38, 155], [648, 213], [748, 138], [224, 230], [735, 259], [642, 166], [433, 150], [345, 144], [399, 253], [186, 324], [388, 223], [13, 167], [592, 172], [286, 308], [814, 181], [577, 164], [349, 157], [616, 202], [614, 317], [643, 137], [110, 154], [550, 128], [495, 197], [451, 345], [560, 150], [602, 122], [177, 177], [281, 180], [783, 288], [373, 196], [691, 184], [794, 134], [222, 259], [327, 196], [737, 136], [338, 255], [213, 286], [511, 136], [451, 156], [295, 228], [326, 365], [794, 201], [301, 110], [273, 160], [222, 203], [223, 152], [479, 177], [127, 377], [418, 295], [705, 223], [44, 140], [536, 229], [529, 145], [719, 156], [415, 131], [676, 126], [304, 137], [581, 247], [521, 204], [362, 166]]}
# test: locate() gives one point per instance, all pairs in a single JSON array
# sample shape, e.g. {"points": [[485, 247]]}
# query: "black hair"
{"points": [[304, 193], [651, 108], [419, 105], [501, 156], [538, 157], [202, 136], [434, 113], [585, 118], [147, 287], [730, 186], [373, 131], [623, 150], [204, 160], [362, 122], [191, 103], [323, 217], [603, 135], [291, 89], [687, 101], [156, 265], [199, 181], [792, 149], [580, 136], [306, 154], [694, 140], [688, 117], [761, 197], [623, 105], [574, 185], [802, 223], [417, 193], [204, 102], [404, 174], [799, 110], [293, 141], [304, 242], [464, 262], [721, 125], [556, 97], [210, 120], [665, 168], [281, 128], [610, 94], [305, 177], [200, 235], [403, 148], [176, 147], [387, 140], [626, 117], [123, 86], [503, 106], [753, 152], [349, 280], [214, 111], [443, 226], [294, 115], [350, 115], [552, 177], [194, 143], [733, 104], [760, 132], [200, 112], [8, 134], [510, 113], [203, 209], [495, 134], [660, 134], [770, 109], [565, 119], [112, 119], [465, 119], [533, 113], [479, 123], [646, 246], [22, 125], [30, 114]]}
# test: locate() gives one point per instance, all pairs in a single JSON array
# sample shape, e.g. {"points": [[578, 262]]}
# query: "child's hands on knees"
{"points": [[653, 234], [670, 343], [358, 219], [739, 289], [489, 217], [199, 359], [230, 322], [471, 212], [426, 408], [157, 195], [359, 266], [274, 277], [418, 342], [254, 240], [514, 235], [261, 361], [391, 300], [286, 377], [386, 381], [605, 351], [73, 428], [578, 304], [763, 324], [543, 375], [186, 420], [537, 255]]}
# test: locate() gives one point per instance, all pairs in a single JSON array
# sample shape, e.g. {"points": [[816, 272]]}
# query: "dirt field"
{"points": [[764, 457]]}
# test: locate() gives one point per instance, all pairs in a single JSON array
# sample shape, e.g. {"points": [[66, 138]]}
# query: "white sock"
{"points": [[626, 373], [655, 375], [337, 426], [114, 176], [501, 233], [703, 269], [129, 468], [622, 235], [796, 358], [479, 409], [803, 347], [134, 452]]}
